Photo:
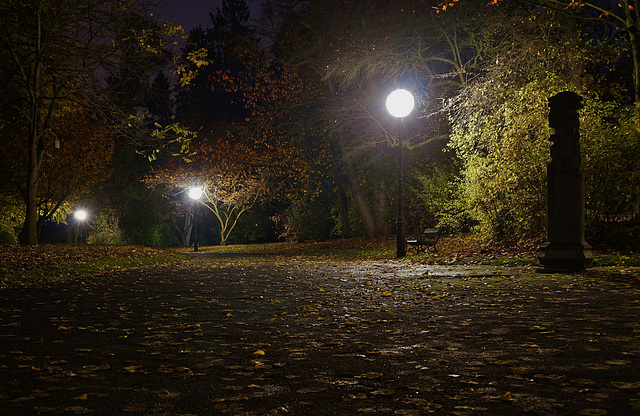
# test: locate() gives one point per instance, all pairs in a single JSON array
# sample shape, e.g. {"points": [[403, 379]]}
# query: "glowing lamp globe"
{"points": [[80, 215], [195, 193], [400, 103]]}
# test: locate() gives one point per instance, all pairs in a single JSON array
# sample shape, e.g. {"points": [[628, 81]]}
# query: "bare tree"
{"points": [[59, 53]]}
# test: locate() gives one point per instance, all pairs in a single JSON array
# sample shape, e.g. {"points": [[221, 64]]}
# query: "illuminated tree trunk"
{"points": [[352, 179], [30, 228], [358, 196], [380, 201], [339, 197]]}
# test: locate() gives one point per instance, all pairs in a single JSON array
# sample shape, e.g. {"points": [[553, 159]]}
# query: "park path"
{"points": [[294, 335]]}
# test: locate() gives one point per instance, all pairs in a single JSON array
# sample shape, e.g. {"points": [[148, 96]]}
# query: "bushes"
{"points": [[307, 218], [504, 155], [7, 237], [433, 199], [500, 134], [105, 230], [611, 148], [144, 221]]}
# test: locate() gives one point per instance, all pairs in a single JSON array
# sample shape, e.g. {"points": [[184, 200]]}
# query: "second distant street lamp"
{"points": [[195, 193], [80, 216], [400, 103]]}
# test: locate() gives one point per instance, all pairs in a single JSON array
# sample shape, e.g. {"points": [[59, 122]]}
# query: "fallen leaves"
{"points": [[358, 337], [371, 375], [626, 385]]}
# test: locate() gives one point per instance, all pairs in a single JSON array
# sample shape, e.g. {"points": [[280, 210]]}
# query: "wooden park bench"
{"points": [[427, 240]]}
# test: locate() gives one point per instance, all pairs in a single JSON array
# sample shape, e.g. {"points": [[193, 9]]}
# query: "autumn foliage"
{"points": [[79, 160]]}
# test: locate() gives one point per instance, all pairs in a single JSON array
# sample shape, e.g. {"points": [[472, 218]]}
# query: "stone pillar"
{"points": [[565, 250]]}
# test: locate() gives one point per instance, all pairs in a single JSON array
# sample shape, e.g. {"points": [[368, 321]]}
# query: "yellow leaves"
{"points": [[626, 385], [199, 57], [597, 397], [312, 389], [132, 368], [508, 397], [592, 412], [383, 392], [521, 370], [617, 362], [371, 375], [386, 294], [79, 410], [87, 369], [259, 352], [166, 394], [81, 397]]}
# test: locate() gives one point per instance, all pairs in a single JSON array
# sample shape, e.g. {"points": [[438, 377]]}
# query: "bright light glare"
{"points": [[195, 193], [80, 215], [400, 103]]}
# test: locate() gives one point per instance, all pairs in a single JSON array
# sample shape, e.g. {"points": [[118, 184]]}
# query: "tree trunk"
{"points": [[343, 209], [358, 195], [340, 197], [352, 179], [30, 228], [380, 201], [36, 132]]}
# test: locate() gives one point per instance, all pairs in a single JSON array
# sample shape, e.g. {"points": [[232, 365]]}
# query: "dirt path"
{"points": [[258, 335]]}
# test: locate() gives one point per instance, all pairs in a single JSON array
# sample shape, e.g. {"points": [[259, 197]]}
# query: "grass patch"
{"points": [[26, 264], [375, 248], [604, 260], [498, 285], [451, 250], [23, 264]]}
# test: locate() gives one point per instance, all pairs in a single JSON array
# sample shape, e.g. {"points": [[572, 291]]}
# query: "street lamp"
{"points": [[195, 193], [80, 215], [400, 103]]}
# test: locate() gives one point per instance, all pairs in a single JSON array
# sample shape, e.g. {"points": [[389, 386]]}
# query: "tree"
{"points": [[56, 52], [500, 130], [623, 16], [211, 51], [228, 194], [357, 52], [80, 160]]}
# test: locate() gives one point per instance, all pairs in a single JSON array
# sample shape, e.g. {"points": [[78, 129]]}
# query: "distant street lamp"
{"points": [[80, 216], [195, 193], [400, 103]]}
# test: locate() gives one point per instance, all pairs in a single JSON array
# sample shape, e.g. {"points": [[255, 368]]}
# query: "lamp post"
{"points": [[80, 215], [400, 103], [195, 193]]}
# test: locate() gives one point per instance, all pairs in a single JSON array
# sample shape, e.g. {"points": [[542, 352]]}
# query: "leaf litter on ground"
{"points": [[280, 333]]}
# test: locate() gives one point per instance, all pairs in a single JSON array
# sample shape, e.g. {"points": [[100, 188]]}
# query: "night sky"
{"points": [[191, 13], [188, 13]]}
